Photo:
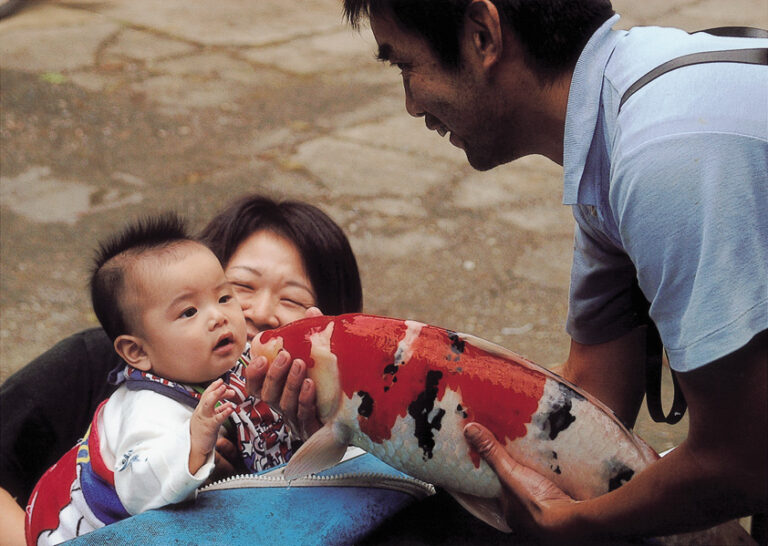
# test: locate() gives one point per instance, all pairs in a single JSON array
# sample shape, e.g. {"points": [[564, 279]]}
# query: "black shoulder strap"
{"points": [[745, 56], [654, 348], [654, 355]]}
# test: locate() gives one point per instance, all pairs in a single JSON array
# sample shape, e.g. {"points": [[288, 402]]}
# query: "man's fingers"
{"points": [[488, 447], [528, 486]]}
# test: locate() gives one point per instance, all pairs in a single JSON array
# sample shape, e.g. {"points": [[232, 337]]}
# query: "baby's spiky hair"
{"points": [[119, 252]]}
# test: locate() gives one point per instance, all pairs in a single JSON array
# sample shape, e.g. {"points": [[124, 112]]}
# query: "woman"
{"points": [[285, 260]]}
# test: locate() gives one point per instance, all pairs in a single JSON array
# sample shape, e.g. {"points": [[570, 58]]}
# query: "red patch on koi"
{"points": [[503, 401], [499, 393]]}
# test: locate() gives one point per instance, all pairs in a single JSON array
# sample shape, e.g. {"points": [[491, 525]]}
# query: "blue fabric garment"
{"points": [[671, 191], [283, 515]]}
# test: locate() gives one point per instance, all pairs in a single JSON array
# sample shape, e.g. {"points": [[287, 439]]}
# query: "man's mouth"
{"points": [[434, 124]]}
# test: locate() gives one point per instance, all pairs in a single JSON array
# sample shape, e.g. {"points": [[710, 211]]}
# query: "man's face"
{"points": [[491, 105], [444, 97], [451, 101]]}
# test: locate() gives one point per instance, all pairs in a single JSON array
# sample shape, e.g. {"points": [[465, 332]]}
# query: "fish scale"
{"points": [[403, 391]]}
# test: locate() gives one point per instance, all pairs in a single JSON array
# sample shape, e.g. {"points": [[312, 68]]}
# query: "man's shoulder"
{"points": [[642, 49]]}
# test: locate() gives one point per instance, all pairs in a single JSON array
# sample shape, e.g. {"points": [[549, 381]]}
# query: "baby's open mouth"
{"points": [[225, 341]]}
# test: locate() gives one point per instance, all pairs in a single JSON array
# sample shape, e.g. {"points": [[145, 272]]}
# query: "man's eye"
{"points": [[189, 312]]}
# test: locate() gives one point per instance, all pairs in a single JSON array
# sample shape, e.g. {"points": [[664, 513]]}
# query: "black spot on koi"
{"points": [[391, 369], [421, 409], [623, 475], [366, 404], [560, 418], [554, 467], [457, 347]]}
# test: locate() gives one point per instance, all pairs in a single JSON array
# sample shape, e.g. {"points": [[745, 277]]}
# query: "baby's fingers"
{"points": [[223, 411], [215, 393]]}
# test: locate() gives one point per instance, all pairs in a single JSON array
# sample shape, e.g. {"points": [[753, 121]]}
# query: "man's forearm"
{"points": [[674, 495], [614, 372]]}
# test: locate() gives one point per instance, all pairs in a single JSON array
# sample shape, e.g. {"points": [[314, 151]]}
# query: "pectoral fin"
{"points": [[322, 450], [484, 509]]}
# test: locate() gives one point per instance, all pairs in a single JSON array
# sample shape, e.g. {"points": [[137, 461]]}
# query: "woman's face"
{"points": [[270, 282]]}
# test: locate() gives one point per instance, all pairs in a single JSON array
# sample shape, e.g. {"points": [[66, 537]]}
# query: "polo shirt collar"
{"points": [[583, 106]]}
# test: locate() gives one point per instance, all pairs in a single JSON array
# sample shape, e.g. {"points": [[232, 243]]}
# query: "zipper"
{"points": [[405, 484]]}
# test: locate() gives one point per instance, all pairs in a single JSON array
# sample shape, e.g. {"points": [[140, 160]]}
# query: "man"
{"points": [[671, 191]]}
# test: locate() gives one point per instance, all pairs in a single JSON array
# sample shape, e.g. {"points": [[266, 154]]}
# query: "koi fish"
{"points": [[403, 391]]}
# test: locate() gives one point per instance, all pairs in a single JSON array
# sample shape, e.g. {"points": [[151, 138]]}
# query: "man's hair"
{"points": [[324, 248], [116, 256], [553, 32]]}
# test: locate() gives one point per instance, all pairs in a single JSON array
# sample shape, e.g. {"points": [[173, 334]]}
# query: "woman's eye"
{"points": [[294, 303], [189, 312], [242, 287]]}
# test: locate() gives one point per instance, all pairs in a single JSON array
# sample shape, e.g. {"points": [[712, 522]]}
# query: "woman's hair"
{"points": [[552, 32], [324, 248]]}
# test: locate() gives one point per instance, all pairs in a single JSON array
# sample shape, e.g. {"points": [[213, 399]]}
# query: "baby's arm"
{"points": [[206, 421]]}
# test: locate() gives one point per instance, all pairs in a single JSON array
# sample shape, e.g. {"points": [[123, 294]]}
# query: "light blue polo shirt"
{"points": [[673, 191]]}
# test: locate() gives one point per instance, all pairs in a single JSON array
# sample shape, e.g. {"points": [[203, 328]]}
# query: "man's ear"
{"points": [[131, 349], [482, 25]]}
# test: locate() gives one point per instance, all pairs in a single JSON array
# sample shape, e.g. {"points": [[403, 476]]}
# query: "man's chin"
{"points": [[480, 162]]}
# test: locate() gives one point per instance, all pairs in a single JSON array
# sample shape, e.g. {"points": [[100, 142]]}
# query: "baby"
{"points": [[163, 299]]}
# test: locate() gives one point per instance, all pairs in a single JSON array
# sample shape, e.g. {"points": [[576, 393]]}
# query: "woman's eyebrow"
{"points": [[248, 269]]}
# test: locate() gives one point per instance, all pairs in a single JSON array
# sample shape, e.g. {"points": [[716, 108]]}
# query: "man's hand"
{"points": [[286, 388], [531, 503]]}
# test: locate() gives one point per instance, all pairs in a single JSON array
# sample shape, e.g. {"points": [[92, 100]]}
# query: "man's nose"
{"points": [[410, 103]]}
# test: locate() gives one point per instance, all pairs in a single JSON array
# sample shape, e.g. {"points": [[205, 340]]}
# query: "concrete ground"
{"points": [[112, 108]]}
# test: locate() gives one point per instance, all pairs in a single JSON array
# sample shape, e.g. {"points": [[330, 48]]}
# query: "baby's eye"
{"points": [[225, 298], [189, 312]]}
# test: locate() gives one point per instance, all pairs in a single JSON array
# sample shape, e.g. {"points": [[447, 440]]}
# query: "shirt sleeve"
{"points": [[151, 439], [601, 303], [695, 226]]}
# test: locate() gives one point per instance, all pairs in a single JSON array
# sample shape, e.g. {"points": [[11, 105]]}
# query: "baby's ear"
{"points": [[131, 349]]}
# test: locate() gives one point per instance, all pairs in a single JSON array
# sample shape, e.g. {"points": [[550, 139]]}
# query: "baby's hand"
{"points": [[206, 421]]}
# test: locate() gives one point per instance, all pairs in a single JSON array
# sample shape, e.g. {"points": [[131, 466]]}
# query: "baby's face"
{"points": [[192, 325]]}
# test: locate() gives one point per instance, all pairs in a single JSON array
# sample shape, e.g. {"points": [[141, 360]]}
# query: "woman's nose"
{"points": [[260, 310]]}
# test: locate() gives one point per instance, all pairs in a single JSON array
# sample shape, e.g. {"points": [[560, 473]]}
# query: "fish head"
{"points": [[310, 340]]}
